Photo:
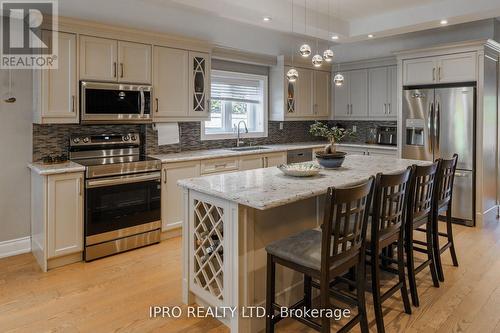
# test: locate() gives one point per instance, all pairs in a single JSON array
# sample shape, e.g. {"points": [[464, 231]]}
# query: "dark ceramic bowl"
{"points": [[331, 161]]}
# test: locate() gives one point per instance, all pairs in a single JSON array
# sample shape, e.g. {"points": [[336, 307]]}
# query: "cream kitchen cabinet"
{"points": [[103, 59], [250, 162], [308, 98], [170, 83], [199, 85], [370, 151], [450, 68], [57, 218], [172, 208], [134, 61], [382, 101], [351, 99], [56, 90], [219, 165], [322, 94]]}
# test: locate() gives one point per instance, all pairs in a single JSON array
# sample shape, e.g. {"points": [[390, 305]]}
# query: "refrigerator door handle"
{"points": [[437, 124], [430, 117]]}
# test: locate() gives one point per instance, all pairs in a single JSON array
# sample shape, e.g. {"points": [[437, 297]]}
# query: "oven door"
{"points": [[117, 207], [116, 103]]}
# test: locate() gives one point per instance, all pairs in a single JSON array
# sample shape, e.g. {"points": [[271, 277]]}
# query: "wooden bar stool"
{"points": [[325, 254], [444, 196], [420, 213], [387, 227]]}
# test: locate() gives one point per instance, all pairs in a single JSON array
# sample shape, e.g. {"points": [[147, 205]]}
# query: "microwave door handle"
{"points": [[141, 98]]}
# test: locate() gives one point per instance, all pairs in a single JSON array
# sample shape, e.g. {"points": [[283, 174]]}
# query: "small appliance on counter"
{"points": [[54, 159], [387, 135], [372, 135], [122, 193]]}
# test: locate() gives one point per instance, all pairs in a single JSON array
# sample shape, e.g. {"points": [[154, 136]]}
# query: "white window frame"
{"points": [[265, 101]]}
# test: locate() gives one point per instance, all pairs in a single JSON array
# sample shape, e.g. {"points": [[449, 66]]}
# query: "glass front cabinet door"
{"points": [[199, 85]]}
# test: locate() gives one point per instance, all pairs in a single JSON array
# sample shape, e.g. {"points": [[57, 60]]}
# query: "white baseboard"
{"points": [[13, 247]]}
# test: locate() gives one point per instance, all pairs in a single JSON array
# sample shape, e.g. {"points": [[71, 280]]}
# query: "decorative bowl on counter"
{"points": [[299, 169], [331, 161]]}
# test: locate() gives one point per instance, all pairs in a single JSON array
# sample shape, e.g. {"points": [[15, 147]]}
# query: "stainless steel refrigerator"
{"points": [[438, 122]]}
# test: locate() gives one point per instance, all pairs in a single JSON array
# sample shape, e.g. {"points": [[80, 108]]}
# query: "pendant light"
{"points": [[338, 79], [328, 54], [292, 75], [317, 60], [305, 49]]}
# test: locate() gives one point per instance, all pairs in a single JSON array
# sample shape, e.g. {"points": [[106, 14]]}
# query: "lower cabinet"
{"points": [[57, 218], [261, 161], [172, 208]]}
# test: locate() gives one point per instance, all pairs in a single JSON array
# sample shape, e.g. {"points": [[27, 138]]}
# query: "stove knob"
{"points": [[133, 138], [85, 140], [76, 140], [126, 138]]}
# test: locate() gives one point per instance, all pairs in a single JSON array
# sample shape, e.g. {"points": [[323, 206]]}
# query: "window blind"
{"points": [[236, 90]]}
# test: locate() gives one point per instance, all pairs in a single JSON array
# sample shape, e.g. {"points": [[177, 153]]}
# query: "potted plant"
{"points": [[330, 157]]}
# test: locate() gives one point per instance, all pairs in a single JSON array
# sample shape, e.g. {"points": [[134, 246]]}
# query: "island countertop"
{"points": [[268, 188]]}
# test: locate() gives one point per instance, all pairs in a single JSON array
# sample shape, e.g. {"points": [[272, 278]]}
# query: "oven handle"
{"points": [[94, 183]]}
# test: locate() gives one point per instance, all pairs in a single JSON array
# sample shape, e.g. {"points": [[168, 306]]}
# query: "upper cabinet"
{"points": [[171, 83], [56, 90], [199, 85], [351, 99], [308, 98], [367, 94], [382, 92], [451, 68], [181, 85], [103, 59]]}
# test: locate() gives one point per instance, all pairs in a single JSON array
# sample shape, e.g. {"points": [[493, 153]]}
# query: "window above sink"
{"points": [[236, 97]]}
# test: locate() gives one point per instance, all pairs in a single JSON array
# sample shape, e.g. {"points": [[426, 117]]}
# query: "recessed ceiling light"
{"points": [[444, 22], [267, 19], [335, 37], [370, 36]]}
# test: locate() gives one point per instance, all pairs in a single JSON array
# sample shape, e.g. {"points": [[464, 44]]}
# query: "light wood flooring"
{"points": [[114, 294]]}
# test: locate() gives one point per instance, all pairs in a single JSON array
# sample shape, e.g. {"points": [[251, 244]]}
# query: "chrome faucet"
{"points": [[238, 141]]}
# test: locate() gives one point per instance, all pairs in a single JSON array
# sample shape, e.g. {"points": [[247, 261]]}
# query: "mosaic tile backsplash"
{"points": [[54, 139]]}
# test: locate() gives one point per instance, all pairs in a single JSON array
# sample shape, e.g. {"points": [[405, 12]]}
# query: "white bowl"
{"points": [[300, 169]]}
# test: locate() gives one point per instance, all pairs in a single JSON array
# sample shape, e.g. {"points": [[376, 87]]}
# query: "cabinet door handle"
{"points": [[220, 165], [347, 109], [385, 108], [439, 73], [157, 104], [73, 98], [389, 107], [164, 176], [434, 74], [114, 69], [121, 69]]}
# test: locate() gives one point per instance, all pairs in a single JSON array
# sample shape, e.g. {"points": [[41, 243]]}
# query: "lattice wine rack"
{"points": [[208, 248]]}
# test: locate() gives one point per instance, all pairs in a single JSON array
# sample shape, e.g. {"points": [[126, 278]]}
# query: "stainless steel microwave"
{"points": [[115, 103]]}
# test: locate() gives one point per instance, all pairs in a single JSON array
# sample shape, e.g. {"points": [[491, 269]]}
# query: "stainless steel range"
{"points": [[122, 193]]}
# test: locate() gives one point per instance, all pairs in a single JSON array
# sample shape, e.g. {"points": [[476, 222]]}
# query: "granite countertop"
{"points": [[268, 188], [225, 152], [52, 169]]}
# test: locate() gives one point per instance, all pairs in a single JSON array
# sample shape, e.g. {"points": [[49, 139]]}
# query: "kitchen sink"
{"points": [[248, 148]]}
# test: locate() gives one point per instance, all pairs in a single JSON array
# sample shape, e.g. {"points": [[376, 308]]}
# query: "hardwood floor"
{"points": [[114, 294]]}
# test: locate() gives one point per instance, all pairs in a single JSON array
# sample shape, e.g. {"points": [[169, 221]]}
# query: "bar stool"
{"points": [[325, 254], [420, 213], [444, 196], [387, 227]]}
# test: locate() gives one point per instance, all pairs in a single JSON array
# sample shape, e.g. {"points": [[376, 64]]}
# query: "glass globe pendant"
{"points": [[292, 75], [338, 80], [305, 50], [328, 55], [317, 60]]}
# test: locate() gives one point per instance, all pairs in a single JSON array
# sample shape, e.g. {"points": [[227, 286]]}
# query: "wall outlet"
{"points": [[354, 128], [281, 126]]}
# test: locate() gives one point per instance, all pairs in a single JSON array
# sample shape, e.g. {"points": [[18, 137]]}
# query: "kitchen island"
{"points": [[230, 218]]}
